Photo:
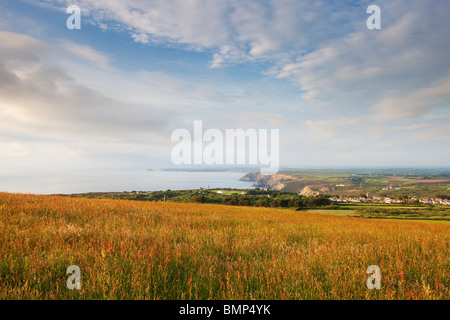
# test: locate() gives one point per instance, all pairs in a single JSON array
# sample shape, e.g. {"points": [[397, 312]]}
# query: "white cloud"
{"points": [[141, 37]]}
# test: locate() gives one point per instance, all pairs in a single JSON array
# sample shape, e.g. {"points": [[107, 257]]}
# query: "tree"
{"points": [[199, 199]]}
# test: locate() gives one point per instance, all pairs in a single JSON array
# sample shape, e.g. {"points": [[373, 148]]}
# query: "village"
{"points": [[388, 200]]}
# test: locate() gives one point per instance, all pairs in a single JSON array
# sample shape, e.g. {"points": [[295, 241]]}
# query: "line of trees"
{"points": [[296, 201], [254, 197]]}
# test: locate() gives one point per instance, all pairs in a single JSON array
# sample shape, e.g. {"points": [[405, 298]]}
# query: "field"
{"points": [[161, 250]]}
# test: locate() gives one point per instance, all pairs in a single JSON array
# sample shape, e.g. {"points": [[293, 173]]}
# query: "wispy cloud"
{"points": [[235, 31], [86, 53], [414, 104]]}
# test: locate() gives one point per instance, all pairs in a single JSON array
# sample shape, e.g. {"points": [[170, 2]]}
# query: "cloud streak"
{"points": [[415, 104]]}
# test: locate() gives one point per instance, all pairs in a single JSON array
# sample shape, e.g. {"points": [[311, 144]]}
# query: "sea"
{"points": [[74, 181]]}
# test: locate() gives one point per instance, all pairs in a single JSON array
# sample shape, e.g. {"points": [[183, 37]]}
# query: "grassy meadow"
{"points": [[160, 250]]}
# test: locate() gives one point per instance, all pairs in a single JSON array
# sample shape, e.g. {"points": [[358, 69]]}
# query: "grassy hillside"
{"points": [[156, 250]]}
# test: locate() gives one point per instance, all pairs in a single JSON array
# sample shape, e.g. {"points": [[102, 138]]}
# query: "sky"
{"points": [[109, 95]]}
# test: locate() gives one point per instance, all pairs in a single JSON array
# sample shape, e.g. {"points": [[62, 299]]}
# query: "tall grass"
{"points": [[143, 250]]}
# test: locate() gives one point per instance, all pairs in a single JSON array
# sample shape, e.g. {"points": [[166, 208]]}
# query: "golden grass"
{"points": [[148, 250]]}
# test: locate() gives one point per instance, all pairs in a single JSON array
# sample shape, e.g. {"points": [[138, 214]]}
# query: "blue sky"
{"points": [[109, 95]]}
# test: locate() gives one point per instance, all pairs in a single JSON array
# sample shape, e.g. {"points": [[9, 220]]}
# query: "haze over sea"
{"points": [[72, 181]]}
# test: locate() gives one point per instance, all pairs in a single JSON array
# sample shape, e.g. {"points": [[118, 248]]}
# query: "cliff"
{"points": [[287, 182], [315, 190], [272, 182], [252, 176]]}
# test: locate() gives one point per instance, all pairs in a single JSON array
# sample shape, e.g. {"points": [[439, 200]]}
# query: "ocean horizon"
{"points": [[73, 181]]}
